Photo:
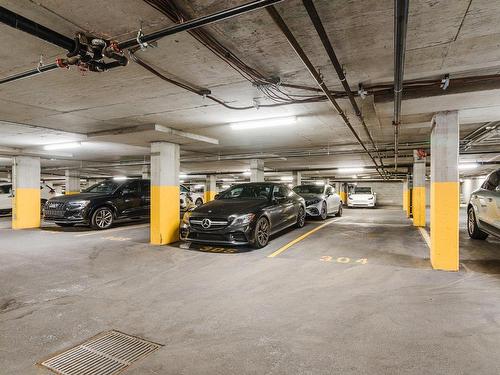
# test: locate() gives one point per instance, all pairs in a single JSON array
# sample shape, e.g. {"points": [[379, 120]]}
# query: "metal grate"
{"points": [[108, 353]]}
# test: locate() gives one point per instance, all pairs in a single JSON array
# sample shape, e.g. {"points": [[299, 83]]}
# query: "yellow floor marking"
{"points": [[425, 236], [298, 239], [112, 230]]}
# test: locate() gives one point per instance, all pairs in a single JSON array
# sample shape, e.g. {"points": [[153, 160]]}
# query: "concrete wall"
{"points": [[388, 193]]}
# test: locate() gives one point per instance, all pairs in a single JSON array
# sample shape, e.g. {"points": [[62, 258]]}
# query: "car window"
{"points": [[104, 187], [132, 187], [247, 191], [362, 190], [491, 182], [5, 189], [145, 187], [329, 190], [282, 190], [308, 189]]}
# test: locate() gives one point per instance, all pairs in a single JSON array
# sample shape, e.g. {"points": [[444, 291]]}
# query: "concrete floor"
{"points": [[356, 297]]}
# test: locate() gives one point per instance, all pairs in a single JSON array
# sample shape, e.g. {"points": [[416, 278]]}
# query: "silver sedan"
{"points": [[483, 210], [321, 200]]}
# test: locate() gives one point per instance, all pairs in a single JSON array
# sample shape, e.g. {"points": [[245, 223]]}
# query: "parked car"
{"points": [[46, 192], [321, 201], [483, 210], [244, 214], [197, 198], [101, 205], [362, 196]]}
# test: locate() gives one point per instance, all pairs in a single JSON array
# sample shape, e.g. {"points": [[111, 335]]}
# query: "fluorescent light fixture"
{"points": [[286, 178], [319, 183], [467, 166], [227, 179], [62, 146], [226, 186], [350, 170], [247, 173], [120, 178], [199, 186], [264, 123], [182, 176]]}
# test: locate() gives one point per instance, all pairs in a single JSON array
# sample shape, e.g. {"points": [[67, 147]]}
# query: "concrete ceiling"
{"points": [[457, 37]]}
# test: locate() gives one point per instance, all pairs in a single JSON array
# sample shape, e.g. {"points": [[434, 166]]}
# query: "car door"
{"points": [[332, 201], [6, 197], [129, 200], [145, 197], [289, 209], [276, 210], [485, 199], [492, 200]]}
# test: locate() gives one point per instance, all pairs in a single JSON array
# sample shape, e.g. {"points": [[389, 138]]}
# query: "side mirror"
{"points": [[278, 197], [216, 196]]}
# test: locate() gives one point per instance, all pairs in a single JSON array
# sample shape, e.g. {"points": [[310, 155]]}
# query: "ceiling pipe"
{"points": [[14, 20], [318, 25], [312, 70], [400, 28]]}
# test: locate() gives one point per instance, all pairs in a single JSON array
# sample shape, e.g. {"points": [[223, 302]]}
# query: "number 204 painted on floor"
{"points": [[344, 260]]}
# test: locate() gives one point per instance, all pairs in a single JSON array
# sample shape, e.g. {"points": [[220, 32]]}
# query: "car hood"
{"points": [[227, 207], [79, 197], [310, 196]]}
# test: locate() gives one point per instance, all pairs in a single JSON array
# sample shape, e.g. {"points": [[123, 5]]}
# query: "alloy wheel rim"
{"points": [[471, 222], [263, 232], [323, 211], [103, 218], [302, 217]]}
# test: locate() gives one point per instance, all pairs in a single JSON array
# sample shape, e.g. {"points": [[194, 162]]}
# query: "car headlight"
{"points": [[185, 218], [78, 204], [243, 219], [313, 201]]}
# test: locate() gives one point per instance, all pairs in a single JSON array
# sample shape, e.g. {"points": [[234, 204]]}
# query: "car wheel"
{"points": [[102, 218], [472, 228], [339, 212], [198, 202], [324, 211], [301, 218], [65, 225], [261, 233]]}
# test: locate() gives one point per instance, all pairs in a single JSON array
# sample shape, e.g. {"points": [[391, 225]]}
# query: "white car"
{"points": [[46, 192], [483, 211], [321, 200], [197, 198], [362, 196]]}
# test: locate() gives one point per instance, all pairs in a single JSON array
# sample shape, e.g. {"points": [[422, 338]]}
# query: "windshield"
{"points": [[308, 189], [248, 191], [363, 190], [5, 189], [105, 187]]}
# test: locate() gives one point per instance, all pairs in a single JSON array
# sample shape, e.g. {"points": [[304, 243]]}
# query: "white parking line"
{"points": [[425, 236], [94, 233]]}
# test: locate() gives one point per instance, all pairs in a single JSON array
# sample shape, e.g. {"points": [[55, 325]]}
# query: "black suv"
{"points": [[101, 204]]}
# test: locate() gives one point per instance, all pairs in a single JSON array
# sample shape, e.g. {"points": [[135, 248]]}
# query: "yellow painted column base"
{"points": [[445, 199], [419, 206], [26, 208], [165, 214], [209, 196], [343, 197]]}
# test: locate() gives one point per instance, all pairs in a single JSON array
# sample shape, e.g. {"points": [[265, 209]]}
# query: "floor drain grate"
{"points": [[108, 353]]}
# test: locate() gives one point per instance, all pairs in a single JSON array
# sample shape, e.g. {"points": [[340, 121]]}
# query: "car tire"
{"points": [[65, 225], [474, 231], [301, 218], [261, 233], [198, 202], [339, 212], [323, 214], [102, 218]]}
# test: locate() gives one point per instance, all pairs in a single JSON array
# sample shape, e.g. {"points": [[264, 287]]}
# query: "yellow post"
{"points": [[210, 188], [418, 198], [445, 194], [26, 201], [165, 192]]}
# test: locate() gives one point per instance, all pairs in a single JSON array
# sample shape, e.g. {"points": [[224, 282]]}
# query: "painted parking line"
{"points": [[425, 236], [98, 232], [298, 239], [361, 224]]}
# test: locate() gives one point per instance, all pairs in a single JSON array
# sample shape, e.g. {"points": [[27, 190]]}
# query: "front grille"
{"points": [[106, 354], [208, 237], [54, 209], [215, 223]]}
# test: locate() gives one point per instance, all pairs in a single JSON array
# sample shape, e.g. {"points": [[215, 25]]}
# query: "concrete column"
{"points": [[165, 210], [445, 191], [256, 170], [418, 198], [210, 188], [405, 194], [26, 186], [146, 172], [297, 178], [72, 184]]}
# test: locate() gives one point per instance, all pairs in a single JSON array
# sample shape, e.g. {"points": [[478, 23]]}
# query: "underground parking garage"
{"points": [[249, 187]]}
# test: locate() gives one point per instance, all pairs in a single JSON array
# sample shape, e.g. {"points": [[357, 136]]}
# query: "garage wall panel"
{"points": [[388, 193]]}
